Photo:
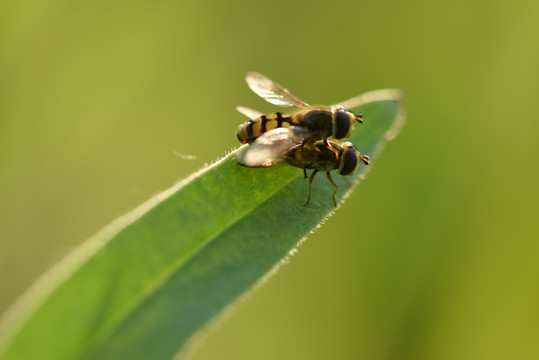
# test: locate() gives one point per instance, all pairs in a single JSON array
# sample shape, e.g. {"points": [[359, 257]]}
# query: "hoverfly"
{"points": [[285, 145], [320, 121]]}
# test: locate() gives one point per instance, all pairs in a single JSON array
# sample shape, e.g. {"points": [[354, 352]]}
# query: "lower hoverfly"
{"points": [[320, 121], [285, 145]]}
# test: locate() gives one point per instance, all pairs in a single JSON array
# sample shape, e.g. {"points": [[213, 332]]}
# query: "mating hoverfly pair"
{"points": [[300, 139]]}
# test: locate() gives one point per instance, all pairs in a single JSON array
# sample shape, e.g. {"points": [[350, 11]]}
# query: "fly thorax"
{"points": [[318, 119]]}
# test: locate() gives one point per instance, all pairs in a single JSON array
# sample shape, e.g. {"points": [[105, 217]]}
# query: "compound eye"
{"points": [[343, 124], [350, 161]]}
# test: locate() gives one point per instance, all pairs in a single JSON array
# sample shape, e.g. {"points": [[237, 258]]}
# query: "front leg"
{"points": [[329, 147]]}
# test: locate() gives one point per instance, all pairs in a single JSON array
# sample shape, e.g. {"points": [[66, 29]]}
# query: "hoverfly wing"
{"points": [[273, 92], [269, 149], [250, 113]]}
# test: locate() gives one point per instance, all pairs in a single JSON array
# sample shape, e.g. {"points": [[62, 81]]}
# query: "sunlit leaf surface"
{"points": [[142, 287]]}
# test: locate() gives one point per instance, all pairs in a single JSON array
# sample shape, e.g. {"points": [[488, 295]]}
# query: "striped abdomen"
{"points": [[250, 130]]}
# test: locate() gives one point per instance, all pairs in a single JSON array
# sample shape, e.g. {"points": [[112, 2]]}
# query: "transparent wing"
{"points": [[269, 148], [250, 113], [273, 92]]}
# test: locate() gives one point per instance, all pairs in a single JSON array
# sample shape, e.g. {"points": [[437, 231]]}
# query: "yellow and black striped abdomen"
{"points": [[250, 130]]}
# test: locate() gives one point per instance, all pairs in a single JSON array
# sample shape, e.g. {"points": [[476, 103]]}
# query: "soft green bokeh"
{"points": [[435, 254]]}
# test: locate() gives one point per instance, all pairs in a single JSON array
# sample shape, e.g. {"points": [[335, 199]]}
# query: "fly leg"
{"points": [[310, 182], [331, 148], [304, 174], [336, 187]]}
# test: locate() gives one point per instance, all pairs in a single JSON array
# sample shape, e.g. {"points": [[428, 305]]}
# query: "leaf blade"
{"points": [[144, 286]]}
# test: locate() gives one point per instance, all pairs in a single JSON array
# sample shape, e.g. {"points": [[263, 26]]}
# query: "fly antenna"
{"points": [[359, 118]]}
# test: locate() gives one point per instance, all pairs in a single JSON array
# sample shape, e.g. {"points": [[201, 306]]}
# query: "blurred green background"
{"points": [[436, 254]]}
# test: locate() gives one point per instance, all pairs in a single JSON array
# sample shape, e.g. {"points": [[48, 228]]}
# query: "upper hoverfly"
{"points": [[320, 122], [285, 145]]}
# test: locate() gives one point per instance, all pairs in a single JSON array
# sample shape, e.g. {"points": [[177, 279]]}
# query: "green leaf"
{"points": [[142, 287]]}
